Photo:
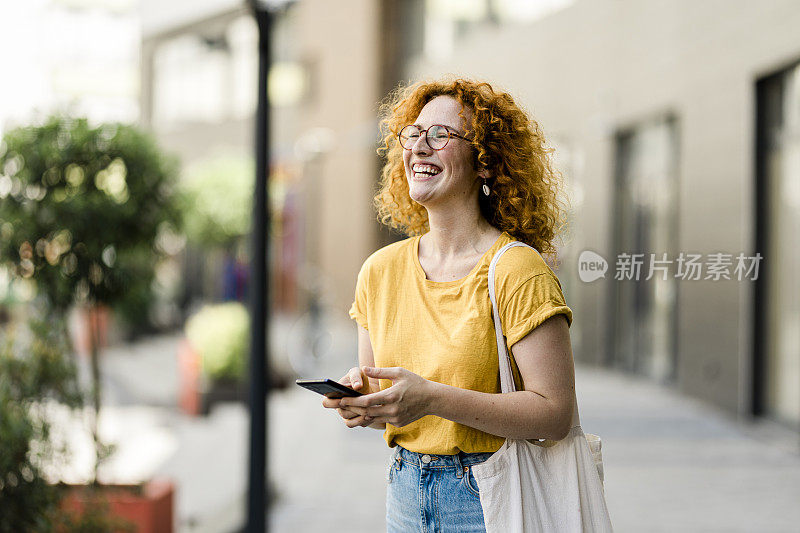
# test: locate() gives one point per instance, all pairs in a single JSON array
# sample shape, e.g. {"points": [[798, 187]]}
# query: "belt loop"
{"points": [[398, 460], [459, 466]]}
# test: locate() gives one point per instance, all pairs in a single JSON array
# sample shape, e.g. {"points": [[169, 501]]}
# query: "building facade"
{"points": [[677, 125]]}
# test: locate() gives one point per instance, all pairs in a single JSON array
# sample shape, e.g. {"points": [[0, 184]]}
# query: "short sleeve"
{"points": [[530, 304], [358, 311]]}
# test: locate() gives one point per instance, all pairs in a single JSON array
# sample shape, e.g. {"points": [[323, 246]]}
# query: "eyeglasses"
{"points": [[437, 136]]}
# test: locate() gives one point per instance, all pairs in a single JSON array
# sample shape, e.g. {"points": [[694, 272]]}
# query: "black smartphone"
{"points": [[328, 387]]}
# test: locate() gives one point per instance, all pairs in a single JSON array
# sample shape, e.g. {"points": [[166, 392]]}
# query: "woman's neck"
{"points": [[454, 235]]}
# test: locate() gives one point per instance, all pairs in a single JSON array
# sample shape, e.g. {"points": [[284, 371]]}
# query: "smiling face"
{"points": [[448, 174]]}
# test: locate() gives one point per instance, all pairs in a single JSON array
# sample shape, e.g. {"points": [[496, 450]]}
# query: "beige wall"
{"points": [[341, 46], [597, 66]]}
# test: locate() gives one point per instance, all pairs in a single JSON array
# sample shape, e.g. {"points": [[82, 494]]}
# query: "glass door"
{"points": [[643, 317]]}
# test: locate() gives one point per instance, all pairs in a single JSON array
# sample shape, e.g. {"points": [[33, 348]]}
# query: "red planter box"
{"points": [[197, 396], [150, 507]]}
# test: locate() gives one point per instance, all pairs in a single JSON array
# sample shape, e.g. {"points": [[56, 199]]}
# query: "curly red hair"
{"points": [[506, 141]]}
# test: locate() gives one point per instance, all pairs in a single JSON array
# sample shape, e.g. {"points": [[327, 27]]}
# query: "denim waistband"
{"points": [[430, 460]]}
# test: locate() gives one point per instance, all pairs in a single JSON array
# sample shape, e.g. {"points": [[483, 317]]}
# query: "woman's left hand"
{"points": [[406, 401]]}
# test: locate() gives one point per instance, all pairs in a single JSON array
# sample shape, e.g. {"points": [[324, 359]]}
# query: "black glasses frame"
{"points": [[427, 139]]}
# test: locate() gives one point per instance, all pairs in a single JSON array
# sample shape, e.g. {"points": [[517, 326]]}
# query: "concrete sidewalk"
{"points": [[671, 463], [675, 464]]}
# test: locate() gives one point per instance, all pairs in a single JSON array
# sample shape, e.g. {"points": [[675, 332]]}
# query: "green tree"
{"points": [[217, 195], [81, 212]]}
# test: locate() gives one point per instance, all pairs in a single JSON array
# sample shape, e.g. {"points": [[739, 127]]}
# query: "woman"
{"points": [[467, 172]]}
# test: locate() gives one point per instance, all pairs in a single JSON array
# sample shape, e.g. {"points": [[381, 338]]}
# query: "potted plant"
{"points": [[214, 354], [36, 372], [83, 212]]}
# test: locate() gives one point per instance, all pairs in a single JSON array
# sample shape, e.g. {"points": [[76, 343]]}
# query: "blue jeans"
{"points": [[433, 493]]}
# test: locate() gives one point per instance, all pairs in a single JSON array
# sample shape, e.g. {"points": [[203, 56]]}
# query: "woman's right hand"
{"points": [[356, 380]]}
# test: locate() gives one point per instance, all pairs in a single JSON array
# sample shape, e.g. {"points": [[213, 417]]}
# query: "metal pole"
{"points": [[258, 503]]}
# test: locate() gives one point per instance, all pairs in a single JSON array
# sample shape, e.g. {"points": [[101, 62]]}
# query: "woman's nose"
{"points": [[421, 146]]}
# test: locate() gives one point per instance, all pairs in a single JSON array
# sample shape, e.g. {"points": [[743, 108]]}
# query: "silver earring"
{"points": [[485, 188]]}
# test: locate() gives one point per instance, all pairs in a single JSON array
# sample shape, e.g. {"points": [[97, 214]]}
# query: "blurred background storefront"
{"points": [[676, 130]]}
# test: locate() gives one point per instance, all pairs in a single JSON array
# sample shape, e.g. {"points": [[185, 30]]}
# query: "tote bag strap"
{"points": [[506, 377]]}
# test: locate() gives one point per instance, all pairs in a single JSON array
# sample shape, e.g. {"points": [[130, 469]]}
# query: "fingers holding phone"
{"points": [[355, 379]]}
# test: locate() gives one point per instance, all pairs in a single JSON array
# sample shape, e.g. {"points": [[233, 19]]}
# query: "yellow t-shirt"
{"points": [[443, 331]]}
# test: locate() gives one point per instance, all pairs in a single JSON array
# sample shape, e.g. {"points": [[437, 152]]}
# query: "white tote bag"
{"points": [[526, 487]]}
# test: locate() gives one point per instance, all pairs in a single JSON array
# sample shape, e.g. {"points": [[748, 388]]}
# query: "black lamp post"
{"points": [[258, 499]]}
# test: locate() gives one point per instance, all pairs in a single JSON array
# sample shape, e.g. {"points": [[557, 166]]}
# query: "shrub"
{"points": [[32, 373], [220, 334]]}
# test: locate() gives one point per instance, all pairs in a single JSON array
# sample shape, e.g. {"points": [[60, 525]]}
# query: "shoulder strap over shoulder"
{"points": [[506, 377]]}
